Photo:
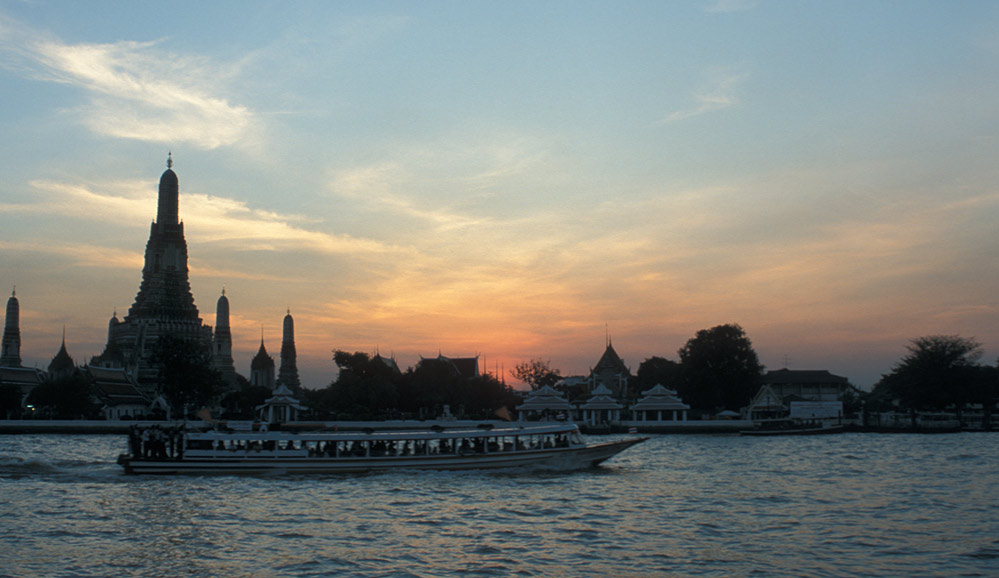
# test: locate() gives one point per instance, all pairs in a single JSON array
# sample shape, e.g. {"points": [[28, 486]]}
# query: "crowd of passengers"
{"points": [[464, 446], [155, 442]]}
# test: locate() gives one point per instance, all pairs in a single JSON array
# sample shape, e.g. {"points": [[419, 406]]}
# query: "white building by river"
{"points": [[659, 404]]}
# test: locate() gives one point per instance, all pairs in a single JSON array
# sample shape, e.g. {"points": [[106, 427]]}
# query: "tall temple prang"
{"points": [[11, 370], [164, 304], [288, 373], [10, 356], [222, 344]]}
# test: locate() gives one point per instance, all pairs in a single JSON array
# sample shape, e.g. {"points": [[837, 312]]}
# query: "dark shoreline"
{"points": [[22, 427]]}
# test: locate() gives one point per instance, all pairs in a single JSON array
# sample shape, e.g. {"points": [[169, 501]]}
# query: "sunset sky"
{"points": [[515, 180]]}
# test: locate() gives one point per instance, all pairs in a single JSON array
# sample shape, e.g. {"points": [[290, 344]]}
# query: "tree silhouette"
{"points": [[720, 368], [187, 380], [67, 398], [10, 400], [241, 403], [536, 373], [659, 370], [937, 371], [364, 387]]}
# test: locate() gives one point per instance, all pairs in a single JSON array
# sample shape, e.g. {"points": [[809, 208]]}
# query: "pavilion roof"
{"points": [[545, 397], [283, 396], [601, 399], [659, 397]]}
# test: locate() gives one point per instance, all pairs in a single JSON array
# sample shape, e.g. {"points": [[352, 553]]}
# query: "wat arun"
{"points": [[164, 305]]}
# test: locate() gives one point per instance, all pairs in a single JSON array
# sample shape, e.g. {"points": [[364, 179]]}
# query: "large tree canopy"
{"points": [[720, 368], [66, 398], [937, 371], [659, 371], [10, 400], [368, 388], [187, 379], [365, 387], [241, 402]]}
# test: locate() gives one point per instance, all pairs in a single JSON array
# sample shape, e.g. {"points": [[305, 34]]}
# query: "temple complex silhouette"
{"points": [[164, 307]]}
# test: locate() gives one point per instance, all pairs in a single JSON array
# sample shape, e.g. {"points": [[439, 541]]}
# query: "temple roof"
{"points": [[461, 366], [801, 376], [21, 375], [610, 360], [261, 360], [114, 386], [62, 361], [387, 361]]}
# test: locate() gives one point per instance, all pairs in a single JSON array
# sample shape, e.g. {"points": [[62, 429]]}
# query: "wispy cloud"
{"points": [[720, 94], [81, 254], [208, 218], [201, 269], [126, 208], [223, 220], [386, 187], [135, 90], [726, 6], [448, 184]]}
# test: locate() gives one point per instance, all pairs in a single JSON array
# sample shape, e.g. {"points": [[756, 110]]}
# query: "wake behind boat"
{"points": [[547, 447]]}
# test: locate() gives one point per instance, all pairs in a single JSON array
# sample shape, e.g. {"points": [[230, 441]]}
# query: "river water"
{"points": [[677, 505]]}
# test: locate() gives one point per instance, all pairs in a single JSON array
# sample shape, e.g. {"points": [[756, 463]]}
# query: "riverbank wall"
{"points": [[47, 426]]}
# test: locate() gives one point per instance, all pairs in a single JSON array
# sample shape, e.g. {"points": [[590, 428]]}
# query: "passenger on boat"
{"points": [[155, 442], [134, 442]]}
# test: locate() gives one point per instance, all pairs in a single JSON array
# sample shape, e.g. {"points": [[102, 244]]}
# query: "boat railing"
{"points": [[230, 445], [246, 453]]}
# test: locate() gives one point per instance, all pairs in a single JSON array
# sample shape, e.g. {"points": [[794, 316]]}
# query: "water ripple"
{"points": [[863, 505]]}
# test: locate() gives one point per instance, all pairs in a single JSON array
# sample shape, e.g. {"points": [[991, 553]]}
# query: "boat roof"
{"points": [[423, 434]]}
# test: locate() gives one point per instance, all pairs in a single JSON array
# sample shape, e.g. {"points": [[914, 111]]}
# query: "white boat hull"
{"points": [[554, 459]]}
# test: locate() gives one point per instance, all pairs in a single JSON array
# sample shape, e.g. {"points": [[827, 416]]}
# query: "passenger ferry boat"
{"points": [[546, 447]]}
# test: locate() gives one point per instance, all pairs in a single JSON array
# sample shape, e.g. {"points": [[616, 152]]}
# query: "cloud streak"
{"points": [[223, 220], [208, 219], [463, 182], [81, 254], [135, 90], [720, 95], [729, 6]]}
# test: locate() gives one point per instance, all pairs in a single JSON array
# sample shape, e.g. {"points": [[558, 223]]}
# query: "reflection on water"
{"points": [[853, 504]]}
